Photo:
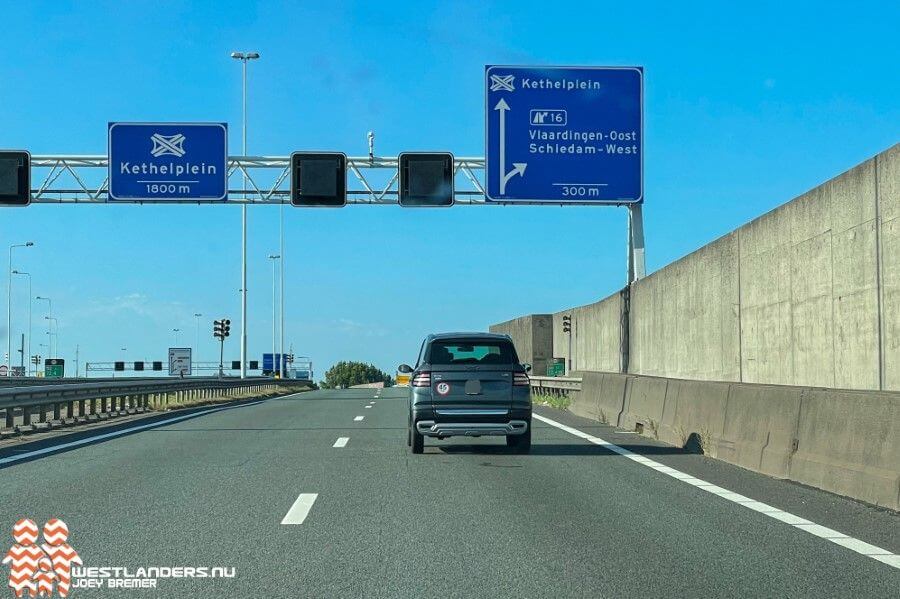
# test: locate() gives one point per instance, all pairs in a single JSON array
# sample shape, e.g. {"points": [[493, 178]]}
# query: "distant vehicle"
{"points": [[469, 384]]}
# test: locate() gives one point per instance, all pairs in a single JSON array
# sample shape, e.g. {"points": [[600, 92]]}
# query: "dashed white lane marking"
{"points": [[358, 418], [838, 538], [298, 512], [119, 433], [367, 407], [341, 442]]}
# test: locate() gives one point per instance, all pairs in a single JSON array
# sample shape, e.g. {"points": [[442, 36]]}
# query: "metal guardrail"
{"points": [[99, 400], [32, 381], [555, 385]]}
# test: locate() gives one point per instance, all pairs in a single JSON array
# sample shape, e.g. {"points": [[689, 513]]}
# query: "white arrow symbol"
{"points": [[518, 167]]}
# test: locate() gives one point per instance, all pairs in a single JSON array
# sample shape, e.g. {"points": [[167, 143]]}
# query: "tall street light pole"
{"points": [[176, 331], [281, 363], [276, 368], [49, 315], [30, 301], [197, 315], [244, 57], [8, 362], [53, 322]]}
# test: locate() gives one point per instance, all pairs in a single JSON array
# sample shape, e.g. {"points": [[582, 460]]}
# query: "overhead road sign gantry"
{"points": [[319, 179], [563, 135], [15, 178], [425, 179], [160, 162], [73, 179]]}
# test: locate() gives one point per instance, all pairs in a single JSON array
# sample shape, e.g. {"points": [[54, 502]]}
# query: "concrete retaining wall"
{"points": [[846, 442], [684, 318], [533, 338], [807, 294]]}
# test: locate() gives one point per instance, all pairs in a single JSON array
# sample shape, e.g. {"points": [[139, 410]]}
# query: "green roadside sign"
{"points": [[54, 368], [556, 368]]}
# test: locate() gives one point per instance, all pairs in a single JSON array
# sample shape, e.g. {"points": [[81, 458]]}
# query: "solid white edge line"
{"points": [[358, 418], [341, 442], [300, 509], [118, 433], [838, 538]]}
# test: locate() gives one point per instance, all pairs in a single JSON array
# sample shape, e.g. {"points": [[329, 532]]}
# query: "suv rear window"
{"points": [[448, 353]]}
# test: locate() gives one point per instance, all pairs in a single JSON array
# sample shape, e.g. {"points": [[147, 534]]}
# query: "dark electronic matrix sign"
{"points": [[425, 179], [319, 179], [15, 178]]}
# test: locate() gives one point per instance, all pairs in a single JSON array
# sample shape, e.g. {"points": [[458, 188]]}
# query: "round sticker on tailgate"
{"points": [[442, 388]]}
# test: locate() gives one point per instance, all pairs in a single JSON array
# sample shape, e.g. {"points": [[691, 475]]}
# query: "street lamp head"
{"points": [[252, 55], [274, 256], [237, 55]]}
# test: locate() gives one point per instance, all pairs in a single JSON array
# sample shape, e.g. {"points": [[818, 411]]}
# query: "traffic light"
{"points": [[221, 328], [319, 179], [425, 179], [567, 324], [15, 178]]}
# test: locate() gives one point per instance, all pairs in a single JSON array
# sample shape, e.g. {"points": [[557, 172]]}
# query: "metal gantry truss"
{"points": [[85, 180]]}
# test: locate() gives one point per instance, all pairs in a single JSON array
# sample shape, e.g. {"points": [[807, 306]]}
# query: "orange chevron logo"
{"points": [[35, 569]]}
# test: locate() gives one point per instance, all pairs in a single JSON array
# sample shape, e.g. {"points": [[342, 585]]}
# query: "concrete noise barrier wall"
{"points": [[807, 294], [846, 442]]}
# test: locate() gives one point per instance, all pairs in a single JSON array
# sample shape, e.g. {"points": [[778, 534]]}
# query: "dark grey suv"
{"points": [[469, 384]]}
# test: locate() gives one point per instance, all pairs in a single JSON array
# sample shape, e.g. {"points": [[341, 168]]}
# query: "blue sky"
{"points": [[744, 109]]}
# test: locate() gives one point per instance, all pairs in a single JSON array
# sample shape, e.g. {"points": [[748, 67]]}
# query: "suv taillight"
{"points": [[423, 379], [521, 379]]}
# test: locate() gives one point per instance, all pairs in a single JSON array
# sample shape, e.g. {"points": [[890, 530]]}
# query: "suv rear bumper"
{"points": [[431, 428]]}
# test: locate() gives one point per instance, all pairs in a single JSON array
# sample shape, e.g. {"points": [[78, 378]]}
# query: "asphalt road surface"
{"points": [[317, 495]]}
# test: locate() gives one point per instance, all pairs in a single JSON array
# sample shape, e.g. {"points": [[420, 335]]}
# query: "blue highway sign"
{"points": [[168, 161], [564, 134]]}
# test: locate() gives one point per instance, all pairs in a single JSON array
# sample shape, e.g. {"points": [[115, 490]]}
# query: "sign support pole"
{"points": [[636, 264]]}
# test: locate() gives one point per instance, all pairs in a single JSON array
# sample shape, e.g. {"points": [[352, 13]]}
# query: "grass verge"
{"points": [[560, 402]]}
